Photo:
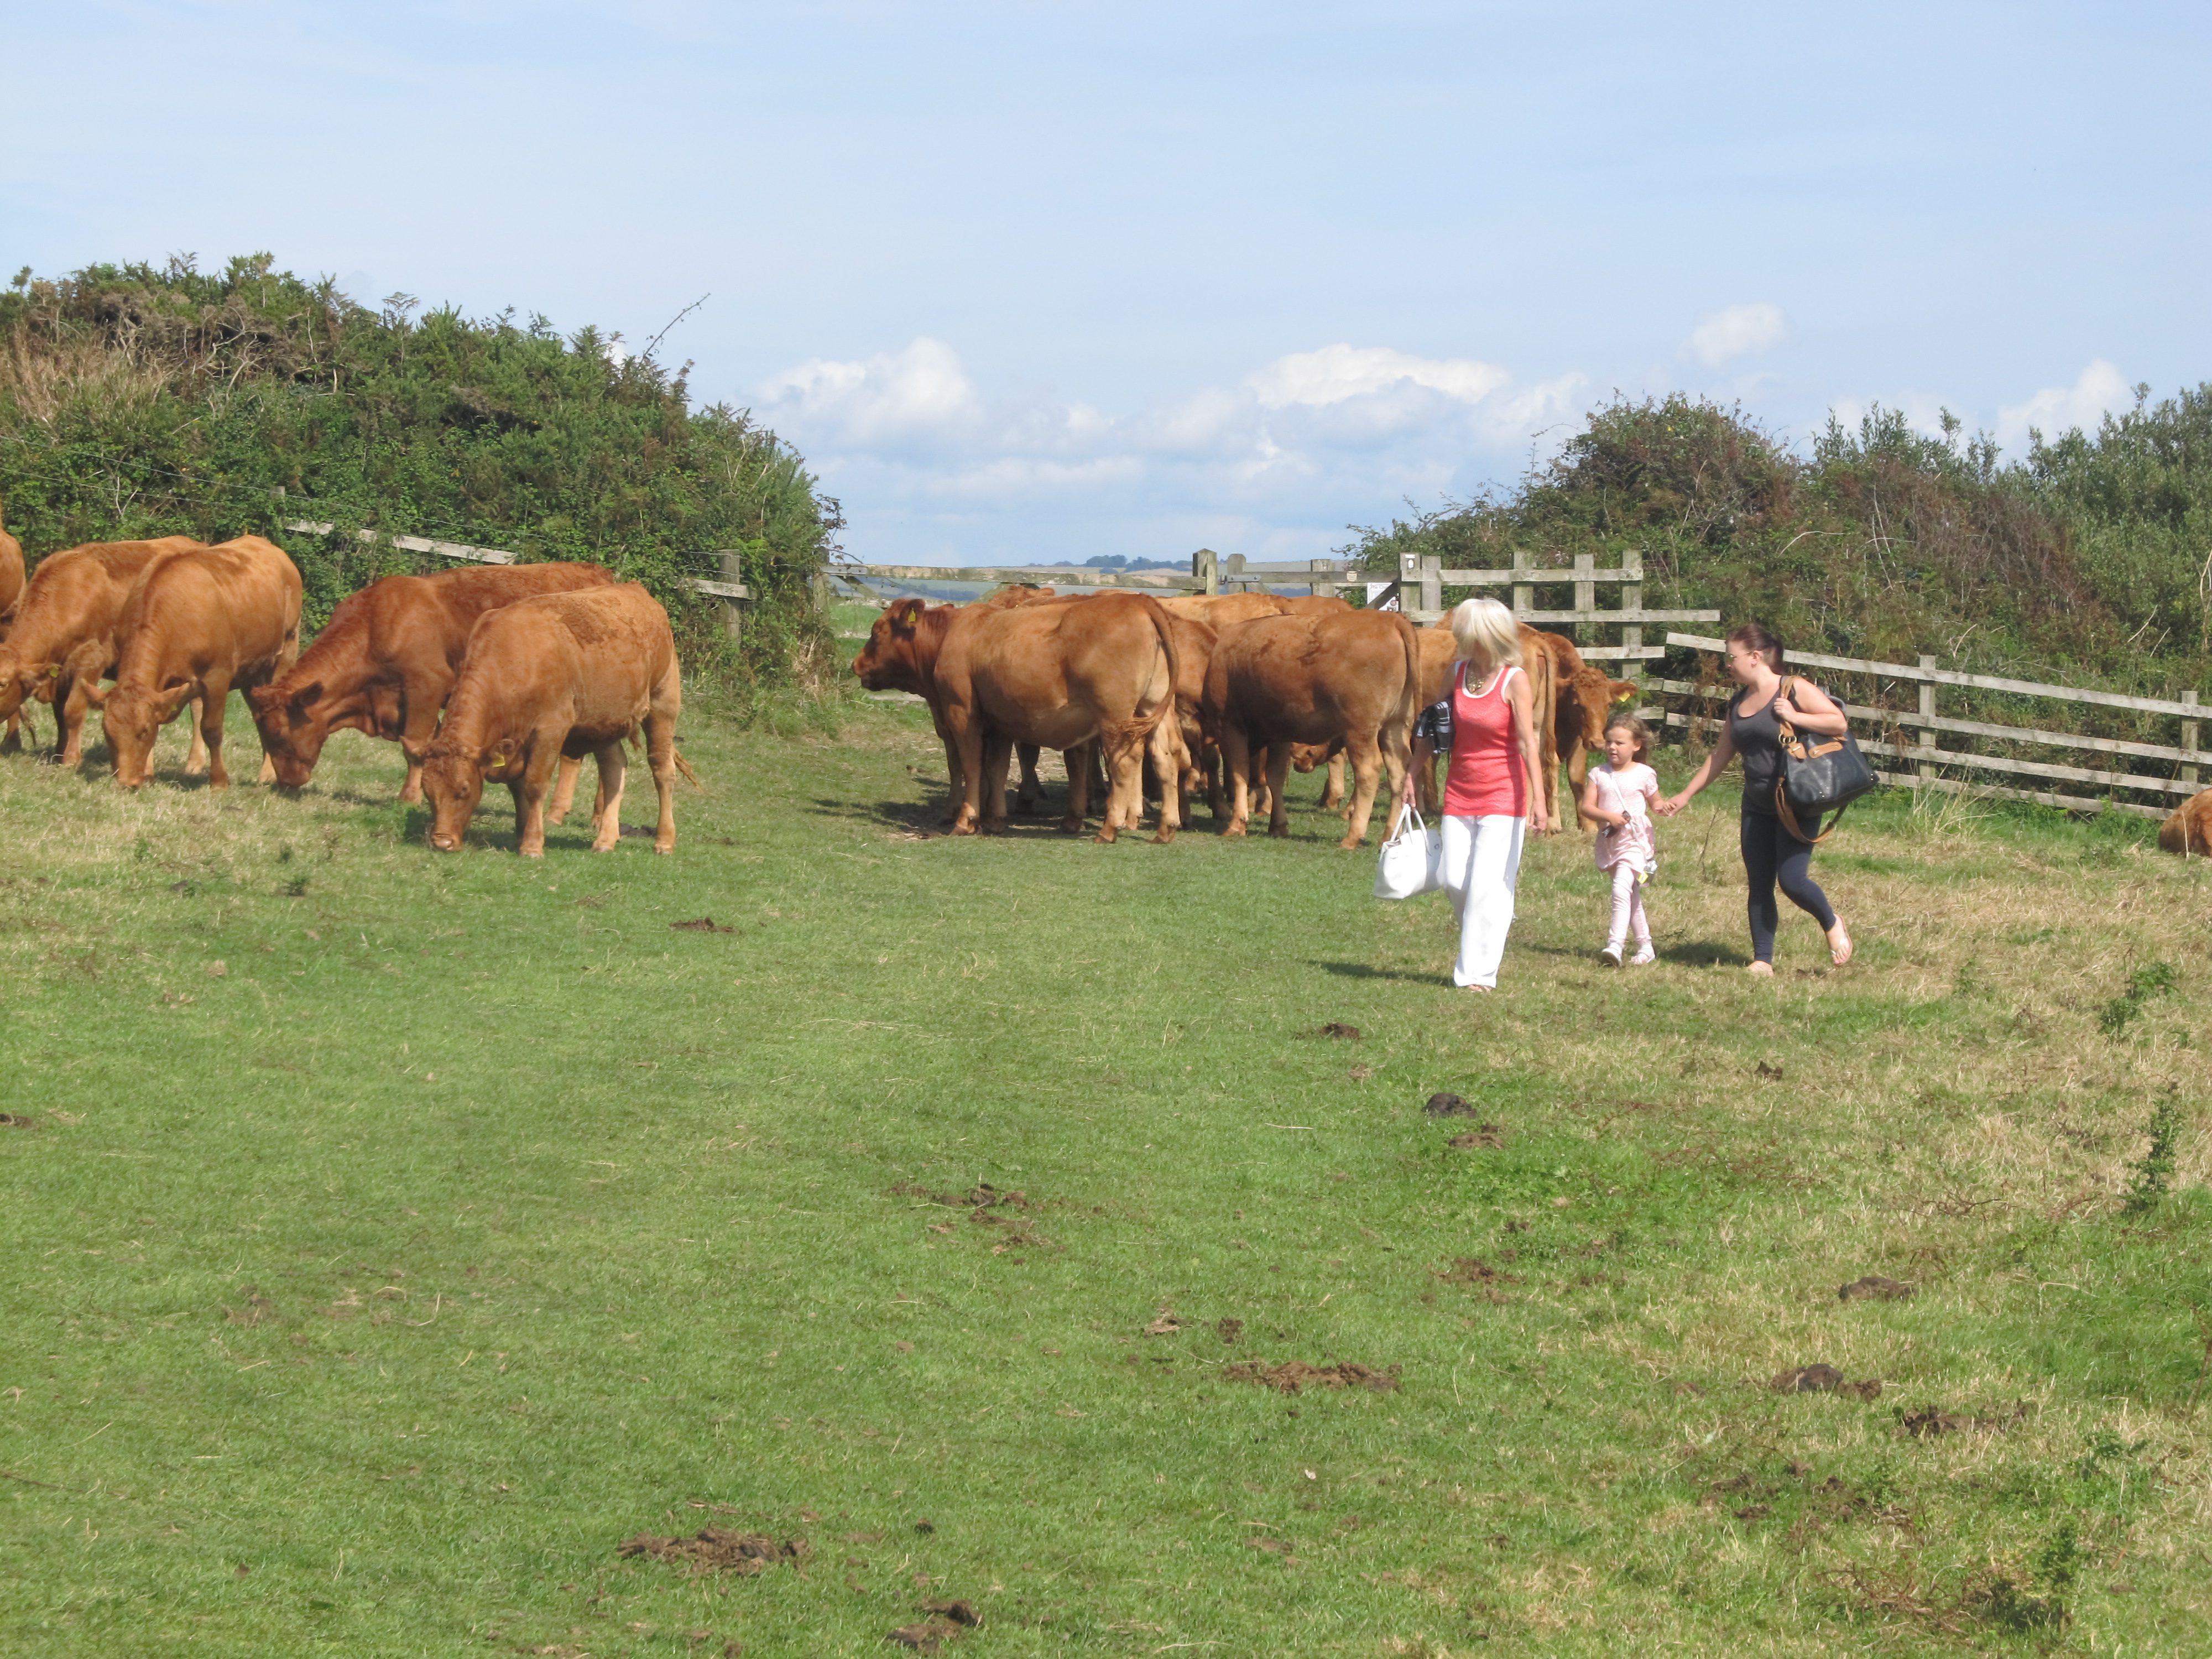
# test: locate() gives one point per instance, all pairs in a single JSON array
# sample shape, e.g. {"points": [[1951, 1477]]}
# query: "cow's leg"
{"points": [[606, 822], [205, 714], [1168, 765], [997, 752], [1210, 763], [1025, 800], [1366, 773], [1279, 778], [955, 785], [661, 756], [966, 739], [1077, 763], [14, 741], [564, 790], [1236, 767], [1577, 775], [205, 717], [1262, 800], [1123, 752], [72, 702], [530, 797], [1331, 793]]}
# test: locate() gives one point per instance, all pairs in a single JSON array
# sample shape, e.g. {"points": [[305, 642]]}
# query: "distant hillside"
{"points": [[2087, 561], [137, 402]]}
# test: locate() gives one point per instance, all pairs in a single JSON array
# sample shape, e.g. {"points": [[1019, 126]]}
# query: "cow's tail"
{"points": [[1409, 701], [1165, 634], [684, 766]]}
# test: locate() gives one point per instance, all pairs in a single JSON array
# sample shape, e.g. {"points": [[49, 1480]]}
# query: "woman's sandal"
{"points": [[1840, 954]]}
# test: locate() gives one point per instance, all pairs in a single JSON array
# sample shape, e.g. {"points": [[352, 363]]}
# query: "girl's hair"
{"points": [[1751, 636], [1636, 728], [1487, 634]]}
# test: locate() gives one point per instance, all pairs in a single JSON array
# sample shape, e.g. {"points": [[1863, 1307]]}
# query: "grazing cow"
{"points": [[198, 624], [2188, 828], [386, 661], [558, 674], [1059, 675], [1280, 680], [65, 639]]}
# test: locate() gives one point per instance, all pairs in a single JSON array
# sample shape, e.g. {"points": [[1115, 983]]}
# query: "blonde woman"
{"points": [[1485, 722]]}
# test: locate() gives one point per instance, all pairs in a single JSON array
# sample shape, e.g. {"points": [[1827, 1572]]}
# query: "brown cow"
{"points": [[1312, 604], [386, 661], [1217, 610], [1059, 675], [199, 624], [11, 593], [2188, 828], [1281, 680], [560, 674], [1585, 699], [65, 637]]}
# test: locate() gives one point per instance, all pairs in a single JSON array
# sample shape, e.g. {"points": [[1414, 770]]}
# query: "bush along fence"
{"points": [[1915, 734]]}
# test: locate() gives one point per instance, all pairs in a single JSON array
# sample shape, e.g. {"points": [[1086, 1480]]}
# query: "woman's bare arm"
{"points": [[1715, 763], [1811, 709], [1522, 700]]}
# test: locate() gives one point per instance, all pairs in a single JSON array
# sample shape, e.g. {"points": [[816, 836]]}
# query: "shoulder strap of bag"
{"points": [[1789, 818]]}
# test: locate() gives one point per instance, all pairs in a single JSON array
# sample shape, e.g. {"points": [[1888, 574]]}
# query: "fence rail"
{"points": [[1926, 758], [1428, 576], [730, 590]]}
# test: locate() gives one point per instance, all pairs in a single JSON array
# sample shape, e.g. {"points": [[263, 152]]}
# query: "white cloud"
{"points": [[1335, 373], [1738, 331], [919, 391], [924, 460], [2058, 410]]}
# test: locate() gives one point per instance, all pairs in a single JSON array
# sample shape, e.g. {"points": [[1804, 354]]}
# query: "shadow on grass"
{"points": [[1706, 953], [1368, 970]]}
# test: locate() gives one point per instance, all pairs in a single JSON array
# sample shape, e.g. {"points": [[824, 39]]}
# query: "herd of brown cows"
{"points": [[531, 667], [1223, 692]]}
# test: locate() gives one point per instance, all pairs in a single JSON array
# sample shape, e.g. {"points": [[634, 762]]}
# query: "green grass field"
{"points": [[393, 1236]]}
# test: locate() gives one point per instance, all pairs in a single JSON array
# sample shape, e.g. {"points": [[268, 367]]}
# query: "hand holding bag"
{"points": [[1411, 860], [1821, 775]]}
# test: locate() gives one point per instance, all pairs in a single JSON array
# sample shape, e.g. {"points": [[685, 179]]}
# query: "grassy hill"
{"points": [[139, 402]]}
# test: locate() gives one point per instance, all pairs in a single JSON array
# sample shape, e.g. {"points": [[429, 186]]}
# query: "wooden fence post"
{"points": [[819, 583], [1234, 574], [1205, 571], [733, 615], [1524, 593], [2189, 730], [1631, 598], [1324, 587], [1926, 770], [1432, 582], [1585, 598]]}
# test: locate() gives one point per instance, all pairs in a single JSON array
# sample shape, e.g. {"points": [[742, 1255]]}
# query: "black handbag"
{"points": [[1824, 774]]}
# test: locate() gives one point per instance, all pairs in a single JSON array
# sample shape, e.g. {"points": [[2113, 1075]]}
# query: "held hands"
{"points": [[1669, 806]]}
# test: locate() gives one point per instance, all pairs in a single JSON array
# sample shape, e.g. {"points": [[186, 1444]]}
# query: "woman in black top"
{"points": [[1753, 730]]}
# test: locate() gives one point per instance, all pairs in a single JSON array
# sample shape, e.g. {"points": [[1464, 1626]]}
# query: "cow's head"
{"points": [[17, 682], [1592, 696], [1304, 757], [291, 735], [887, 662], [132, 716], [452, 784]]}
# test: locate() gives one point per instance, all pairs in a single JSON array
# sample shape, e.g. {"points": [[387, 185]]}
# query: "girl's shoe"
{"points": [[1643, 958], [1610, 955]]}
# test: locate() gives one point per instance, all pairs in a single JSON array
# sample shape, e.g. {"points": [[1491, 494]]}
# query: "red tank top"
{"points": [[1487, 776]]}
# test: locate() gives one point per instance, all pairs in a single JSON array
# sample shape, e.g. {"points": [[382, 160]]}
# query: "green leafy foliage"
{"points": [[2155, 1170], [1883, 542], [137, 402]]}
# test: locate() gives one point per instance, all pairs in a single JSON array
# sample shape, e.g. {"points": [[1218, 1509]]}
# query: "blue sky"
{"points": [[1029, 283]]}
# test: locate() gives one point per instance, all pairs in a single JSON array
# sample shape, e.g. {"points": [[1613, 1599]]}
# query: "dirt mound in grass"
{"points": [[713, 1549], [1294, 1376], [1874, 1287], [982, 1196], [1825, 1379]]}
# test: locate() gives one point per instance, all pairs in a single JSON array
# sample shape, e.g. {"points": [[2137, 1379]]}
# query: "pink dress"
{"points": [[1628, 791]]}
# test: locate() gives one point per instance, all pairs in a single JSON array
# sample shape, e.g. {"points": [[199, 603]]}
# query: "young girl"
{"points": [[1617, 797]]}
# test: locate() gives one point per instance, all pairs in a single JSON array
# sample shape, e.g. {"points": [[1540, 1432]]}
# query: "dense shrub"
{"points": [[138, 402]]}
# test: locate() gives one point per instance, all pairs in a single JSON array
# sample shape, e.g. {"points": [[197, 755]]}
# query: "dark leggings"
{"points": [[1772, 853]]}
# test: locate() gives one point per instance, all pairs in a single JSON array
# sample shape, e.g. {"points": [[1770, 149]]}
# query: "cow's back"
{"points": [[235, 604], [595, 654]]}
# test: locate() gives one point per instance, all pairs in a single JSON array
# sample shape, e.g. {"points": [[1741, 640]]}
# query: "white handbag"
{"points": [[1411, 860]]}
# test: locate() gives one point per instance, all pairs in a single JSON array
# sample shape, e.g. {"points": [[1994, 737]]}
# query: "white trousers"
{"points": [[1481, 863]]}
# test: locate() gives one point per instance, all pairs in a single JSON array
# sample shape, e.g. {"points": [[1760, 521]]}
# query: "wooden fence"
{"points": [[1930, 761], [1209, 574], [729, 590]]}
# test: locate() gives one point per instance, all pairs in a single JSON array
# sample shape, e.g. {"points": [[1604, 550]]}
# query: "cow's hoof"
{"points": [[540, 852], [1234, 828], [1350, 843], [1278, 832], [1163, 837], [1105, 836], [666, 851], [1071, 826]]}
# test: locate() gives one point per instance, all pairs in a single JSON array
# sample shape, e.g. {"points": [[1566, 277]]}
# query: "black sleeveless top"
{"points": [[1757, 739]]}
